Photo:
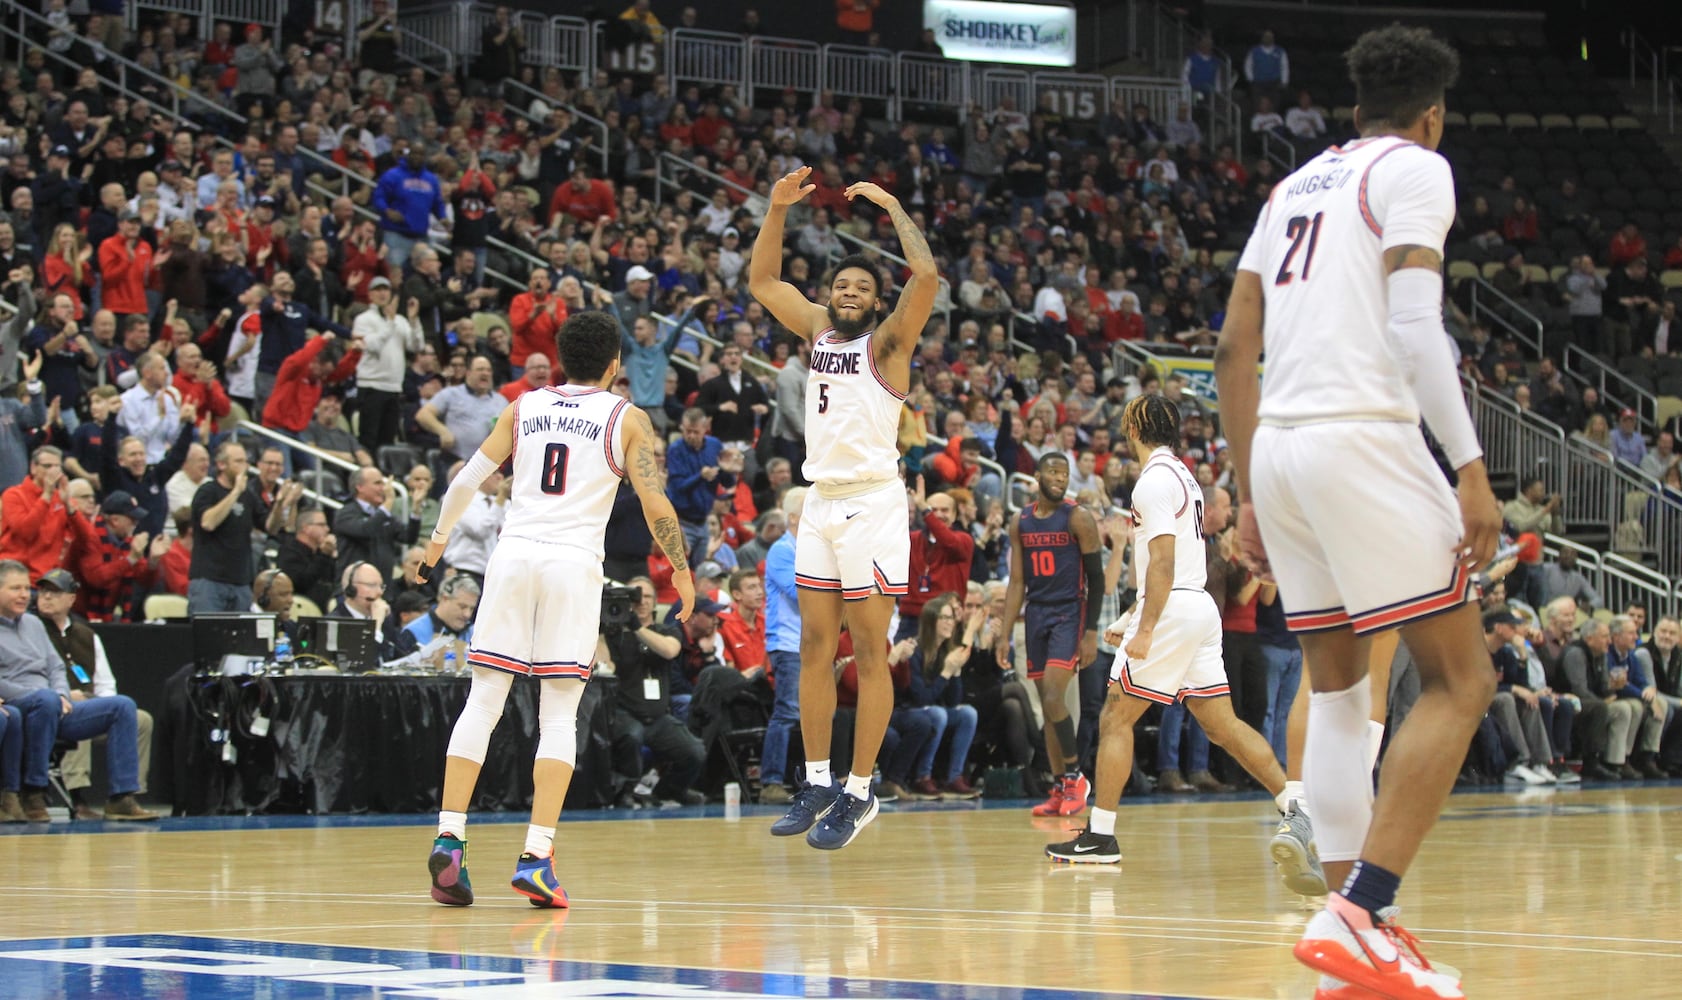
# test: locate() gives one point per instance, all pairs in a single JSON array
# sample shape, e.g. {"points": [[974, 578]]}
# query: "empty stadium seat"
{"points": [[1484, 119]]}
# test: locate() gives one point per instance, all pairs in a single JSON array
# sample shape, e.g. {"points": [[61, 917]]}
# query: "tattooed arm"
{"points": [[642, 468], [905, 327]]}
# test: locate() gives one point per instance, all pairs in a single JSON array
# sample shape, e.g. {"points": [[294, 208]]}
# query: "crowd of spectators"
{"points": [[370, 260]]}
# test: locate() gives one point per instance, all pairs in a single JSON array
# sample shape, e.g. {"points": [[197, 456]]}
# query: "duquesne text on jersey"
{"points": [[1038, 538], [548, 422], [1320, 182], [828, 363]]}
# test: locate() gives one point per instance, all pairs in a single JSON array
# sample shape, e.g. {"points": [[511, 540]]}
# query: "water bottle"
{"points": [[282, 648], [450, 660]]}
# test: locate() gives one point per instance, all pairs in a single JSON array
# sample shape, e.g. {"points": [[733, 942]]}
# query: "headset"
{"points": [[349, 575], [265, 583]]}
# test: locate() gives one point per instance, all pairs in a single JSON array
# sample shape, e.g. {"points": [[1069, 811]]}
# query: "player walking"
{"points": [[1052, 545], [854, 549], [571, 445], [1360, 529], [1171, 643]]}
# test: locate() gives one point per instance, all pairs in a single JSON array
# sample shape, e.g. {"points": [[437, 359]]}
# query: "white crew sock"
{"points": [[1294, 792], [452, 824], [540, 840], [858, 786], [817, 773], [1102, 822]]}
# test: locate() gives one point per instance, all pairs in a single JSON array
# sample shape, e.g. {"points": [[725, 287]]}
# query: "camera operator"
{"points": [[640, 655]]}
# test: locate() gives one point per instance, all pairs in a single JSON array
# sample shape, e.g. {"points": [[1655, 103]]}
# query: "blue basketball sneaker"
{"points": [[810, 804], [448, 865], [534, 878], [842, 823]]}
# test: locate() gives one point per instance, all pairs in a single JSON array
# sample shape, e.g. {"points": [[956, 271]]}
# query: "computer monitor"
{"points": [[232, 643], [347, 642]]}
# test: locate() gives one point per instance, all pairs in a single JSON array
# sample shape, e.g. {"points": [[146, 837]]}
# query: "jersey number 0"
{"points": [[554, 479]]}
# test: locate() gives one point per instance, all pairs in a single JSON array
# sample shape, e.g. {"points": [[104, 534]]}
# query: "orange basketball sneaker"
{"points": [[1075, 791], [1342, 941], [1053, 805]]}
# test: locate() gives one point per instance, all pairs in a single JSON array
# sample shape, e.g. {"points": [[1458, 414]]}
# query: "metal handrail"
{"points": [[397, 487], [1534, 343], [127, 66], [1630, 394], [591, 120]]}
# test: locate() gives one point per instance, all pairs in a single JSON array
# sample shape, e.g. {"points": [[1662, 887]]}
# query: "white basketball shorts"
{"points": [[856, 545], [1360, 525], [540, 612], [1185, 655]]}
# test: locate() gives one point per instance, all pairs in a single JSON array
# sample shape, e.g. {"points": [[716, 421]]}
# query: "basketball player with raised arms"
{"points": [[1171, 641], [1053, 548], [1340, 500], [571, 445], [854, 550]]}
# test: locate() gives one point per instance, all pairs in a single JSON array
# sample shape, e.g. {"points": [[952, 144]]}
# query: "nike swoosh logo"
{"points": [[854, 514], [1087, 849]]}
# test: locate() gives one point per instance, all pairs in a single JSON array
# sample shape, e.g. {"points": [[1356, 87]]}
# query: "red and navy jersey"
{"points": [[1051, 557]]}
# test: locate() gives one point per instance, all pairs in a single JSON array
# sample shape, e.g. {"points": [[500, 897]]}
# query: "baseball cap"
{"points": [[639, 273], [1059, 231], [120, 502], [1500, 616], [129, 215], [1626, 413], [60, 150], [265, 201], [380, 282], [709, 568], [170, 165], [708, 606], [59, 580], [730, 231]]}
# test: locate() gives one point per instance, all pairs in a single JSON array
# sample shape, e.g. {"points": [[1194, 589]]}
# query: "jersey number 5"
{"points": [[1295, 230], [554, 481], [823, 397]]}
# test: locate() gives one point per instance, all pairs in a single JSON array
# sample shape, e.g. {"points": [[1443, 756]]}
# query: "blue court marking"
{"points": [[197, 968], [1561, 803]]}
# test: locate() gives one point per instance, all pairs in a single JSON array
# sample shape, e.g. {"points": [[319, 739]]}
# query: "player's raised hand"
{"points": [[872, 193], [791, 188], [685, 584], [1250, 547]]}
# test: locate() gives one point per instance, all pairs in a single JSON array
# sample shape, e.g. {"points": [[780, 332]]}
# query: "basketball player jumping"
{"points": [[1053, 544], [571, 444], [1171, 643], [1342, 282], [854, 550]]}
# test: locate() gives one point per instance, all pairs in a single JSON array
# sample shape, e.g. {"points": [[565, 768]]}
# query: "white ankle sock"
{"points": [[858, 786], [817, 773], [1375, 743], [453, 824], [1294, 792], [1102, 822], [540, 840]]}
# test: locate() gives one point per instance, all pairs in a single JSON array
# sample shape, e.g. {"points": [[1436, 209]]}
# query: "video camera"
{"points": [[619, 608]]}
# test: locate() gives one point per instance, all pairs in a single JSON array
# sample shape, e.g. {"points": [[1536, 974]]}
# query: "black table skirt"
{"points": [[353, 744]]}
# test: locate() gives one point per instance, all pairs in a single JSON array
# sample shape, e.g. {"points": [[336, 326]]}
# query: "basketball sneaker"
{"points": [[534, 878], [1053, 805], [448, 865], [810, 804], [842, 823], [1293, 853], [1337, 989], [1087, 849], [1075, 791], [1381, 956]]}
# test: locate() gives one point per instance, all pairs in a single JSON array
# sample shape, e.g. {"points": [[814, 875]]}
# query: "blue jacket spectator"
{"points": [[1202, 72], [286, 325], [407, 196], [693, 476]]}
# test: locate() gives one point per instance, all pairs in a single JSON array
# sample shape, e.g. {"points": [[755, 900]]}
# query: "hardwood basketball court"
{"points": [[1554, 894]]}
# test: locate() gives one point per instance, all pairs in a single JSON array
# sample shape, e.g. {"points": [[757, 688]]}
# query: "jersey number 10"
{"points": [[1295, 230], [554, 479]]}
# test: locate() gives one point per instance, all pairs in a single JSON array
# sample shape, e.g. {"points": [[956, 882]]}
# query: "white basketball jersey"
{"points": [[568, 462], [1168, 501], [852, 414], [1319, 251]]}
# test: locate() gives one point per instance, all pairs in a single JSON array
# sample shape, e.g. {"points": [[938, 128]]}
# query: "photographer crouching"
{"points": [[639, 654]]}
